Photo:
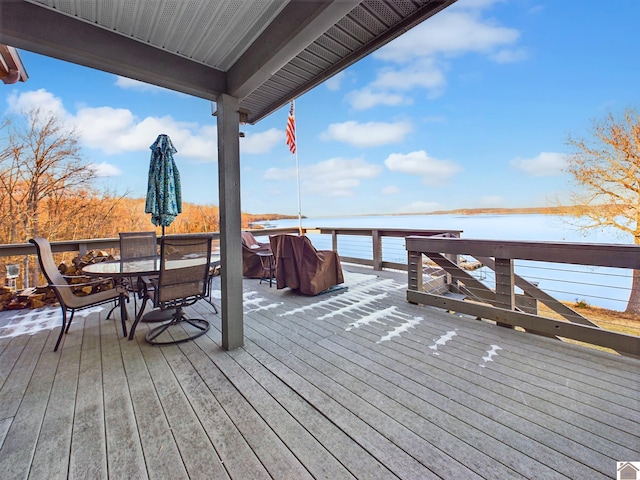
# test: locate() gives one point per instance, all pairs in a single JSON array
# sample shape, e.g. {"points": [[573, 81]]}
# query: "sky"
{"points": [[470, 109]]}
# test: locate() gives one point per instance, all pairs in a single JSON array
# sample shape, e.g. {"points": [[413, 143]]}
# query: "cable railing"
{"points": [[582, 274], [580, 284], [507, 294]]}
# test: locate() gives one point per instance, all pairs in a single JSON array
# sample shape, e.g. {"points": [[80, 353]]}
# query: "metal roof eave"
{"points": [[255, 77]]}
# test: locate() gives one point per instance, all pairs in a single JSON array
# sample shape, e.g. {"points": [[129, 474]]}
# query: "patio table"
{"points": [[143, 266]]}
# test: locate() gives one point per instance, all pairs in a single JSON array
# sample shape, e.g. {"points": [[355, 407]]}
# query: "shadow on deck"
{"points": [[357, 383]]}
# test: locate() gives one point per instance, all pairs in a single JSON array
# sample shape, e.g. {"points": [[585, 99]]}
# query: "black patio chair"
{"points": [[183, 280], [64, 290], [137, 245]]}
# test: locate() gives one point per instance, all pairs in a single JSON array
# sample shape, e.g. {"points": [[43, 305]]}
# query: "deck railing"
{"points": [[404, 250], [377, 248], [500, 303]]}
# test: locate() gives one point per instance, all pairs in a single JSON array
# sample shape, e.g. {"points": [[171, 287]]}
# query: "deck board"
{"points": [[357, 383], [57, 426]]}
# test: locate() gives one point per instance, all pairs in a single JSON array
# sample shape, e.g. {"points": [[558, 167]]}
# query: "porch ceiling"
{"points": [[263, 52]]}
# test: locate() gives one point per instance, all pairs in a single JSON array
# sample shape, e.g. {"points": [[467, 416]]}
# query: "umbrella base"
{"points": [[156, 316], [188, 329]]}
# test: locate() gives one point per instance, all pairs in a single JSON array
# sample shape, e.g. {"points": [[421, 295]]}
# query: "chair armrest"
{"points": [[91, 282], [147, 287], [83, 289]]}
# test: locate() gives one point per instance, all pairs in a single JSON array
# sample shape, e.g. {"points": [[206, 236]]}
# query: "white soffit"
{"points": [[264, 52], [212, 32]]}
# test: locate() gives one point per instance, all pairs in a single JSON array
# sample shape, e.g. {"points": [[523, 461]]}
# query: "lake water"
{"points": [[604, 287]]}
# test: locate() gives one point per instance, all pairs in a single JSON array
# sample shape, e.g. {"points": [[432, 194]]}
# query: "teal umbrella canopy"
{"points": [[164, 193]]}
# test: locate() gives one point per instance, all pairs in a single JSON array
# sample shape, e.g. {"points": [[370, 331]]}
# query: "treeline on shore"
{"points": [[88, 216], [574, 210]]}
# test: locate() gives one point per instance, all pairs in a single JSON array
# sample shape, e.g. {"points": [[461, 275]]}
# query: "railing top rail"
{"points": [[390, 232], [14, 249], [598, 254]]}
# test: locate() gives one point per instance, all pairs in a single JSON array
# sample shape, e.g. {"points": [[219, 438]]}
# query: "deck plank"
{"points": [[359, 463], [235, 453], [307, 450], [350, 358], [266, 445], [404, 406], [51, 458], [88, 454], [124, 447], [22, 437], [200, 457], [376, 403], [357, 383]]}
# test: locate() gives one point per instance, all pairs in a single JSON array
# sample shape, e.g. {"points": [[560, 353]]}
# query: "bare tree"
{"points": [[606, 171], [42, 163], [9, 185]]}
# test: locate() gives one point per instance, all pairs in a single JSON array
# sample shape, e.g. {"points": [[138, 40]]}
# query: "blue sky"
{"points": [[470, 109]]}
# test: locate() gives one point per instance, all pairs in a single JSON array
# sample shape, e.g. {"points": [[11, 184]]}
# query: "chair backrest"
{"points": [[287, 245], [138, 244], [50, 270], [184, 268], [249, 241]]}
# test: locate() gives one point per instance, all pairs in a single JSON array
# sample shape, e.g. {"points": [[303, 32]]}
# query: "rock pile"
{"points": [[36, 297]]}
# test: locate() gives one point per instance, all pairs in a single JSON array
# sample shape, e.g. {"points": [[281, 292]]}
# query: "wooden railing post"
{"points": [[377, 249], [334, 240], [414, 270], [505, 285], [82, 249]]}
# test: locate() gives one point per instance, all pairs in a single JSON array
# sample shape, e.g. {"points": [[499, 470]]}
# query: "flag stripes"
{"points": [[291, 130]]}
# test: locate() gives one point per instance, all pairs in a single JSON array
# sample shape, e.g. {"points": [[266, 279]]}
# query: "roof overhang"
{"points": [[11, 68], [264, 53]]}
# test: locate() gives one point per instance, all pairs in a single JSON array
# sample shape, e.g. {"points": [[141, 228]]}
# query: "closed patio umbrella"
{"points": [[164, 193]]}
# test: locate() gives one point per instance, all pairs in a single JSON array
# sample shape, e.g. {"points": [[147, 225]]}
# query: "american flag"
{"points": [[291, 130]]}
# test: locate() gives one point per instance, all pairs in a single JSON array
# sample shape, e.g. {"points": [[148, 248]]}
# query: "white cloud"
{"points": [[261, 142], [333, 84], [424, 73], [390, 190], [105, 169], [117, 130], [336, 177], [546, 164], [419, 59], [450, 33], [370, 134], [367, 98], [131, 84], [433, 171], [419, 207], [46, 102]]}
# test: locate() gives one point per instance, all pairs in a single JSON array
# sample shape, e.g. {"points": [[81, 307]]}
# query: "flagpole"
{"points": [[293, 147], [299, 207]]}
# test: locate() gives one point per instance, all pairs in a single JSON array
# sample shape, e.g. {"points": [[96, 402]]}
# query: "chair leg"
{"points": [[69, 322], [139, 314], [112, 309], [123, 313], [64, 325]]}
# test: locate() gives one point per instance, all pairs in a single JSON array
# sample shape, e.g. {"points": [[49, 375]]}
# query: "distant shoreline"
{"points": [[569, 210], [503, 211]]}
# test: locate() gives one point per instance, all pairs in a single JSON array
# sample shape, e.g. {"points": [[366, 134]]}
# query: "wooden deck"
{"points": [[357, 383]]}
